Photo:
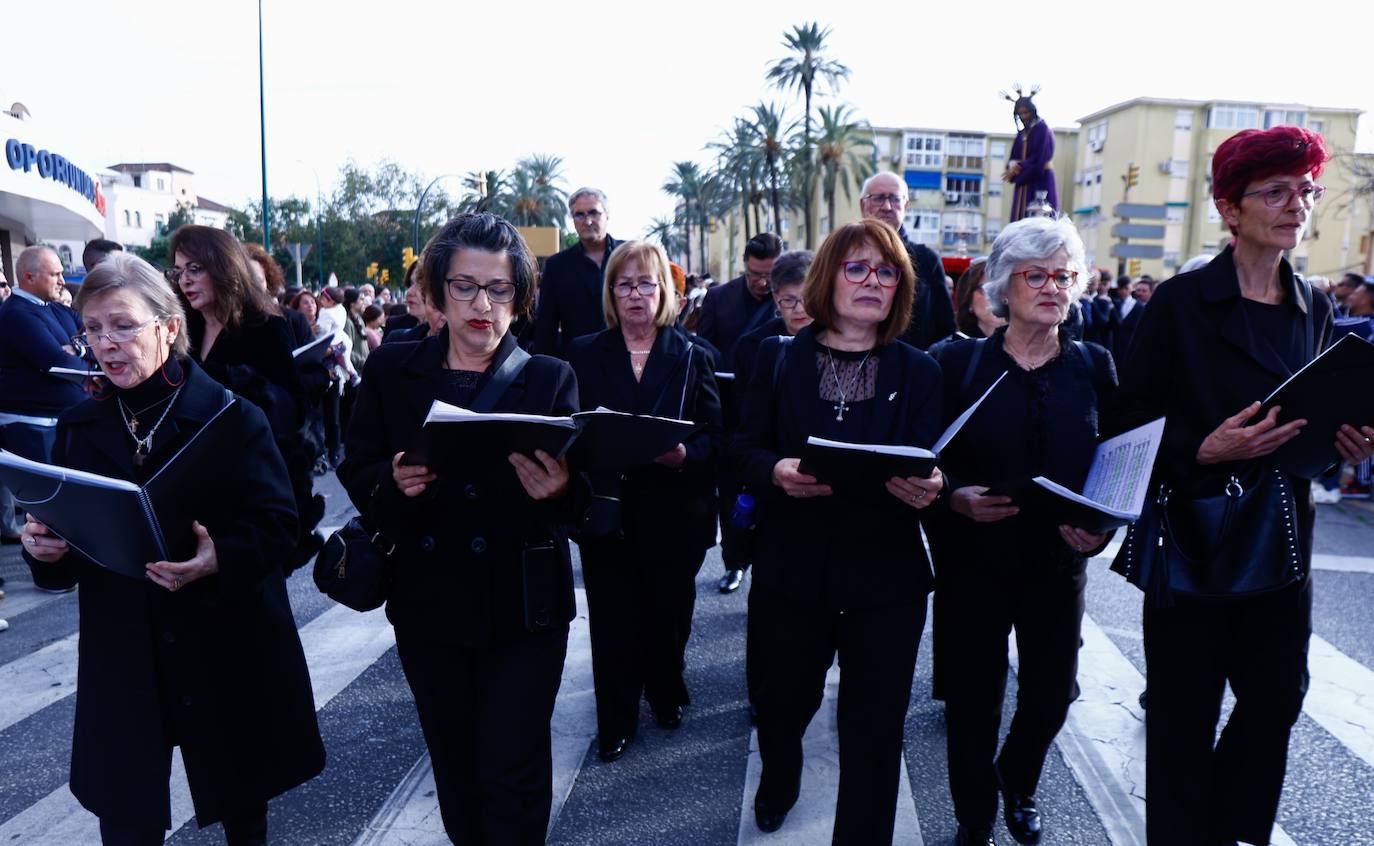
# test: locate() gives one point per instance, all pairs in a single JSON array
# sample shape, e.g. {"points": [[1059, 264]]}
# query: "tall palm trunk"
{"points": [[744, 213], [808, 174]]}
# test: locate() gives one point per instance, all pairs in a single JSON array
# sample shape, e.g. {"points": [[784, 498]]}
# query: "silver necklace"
{"points": [[842, 406], [143, 445]]}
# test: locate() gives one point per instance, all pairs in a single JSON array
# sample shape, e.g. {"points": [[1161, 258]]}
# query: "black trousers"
{"points": [[877, 650], [736, 544], [485, 714], [1201, 790], [640, 613], [333, 428], [1044, 606], [242, 830]]}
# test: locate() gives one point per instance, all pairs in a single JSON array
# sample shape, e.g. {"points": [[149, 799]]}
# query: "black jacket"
{"points": [[728, 312], [1196, 362], [829, 550], [235, 692], [569, 299], [1038, 423], [746, 352], [460, 544], [1122, 329], [932, 312], [660, 505], [254, 360]]}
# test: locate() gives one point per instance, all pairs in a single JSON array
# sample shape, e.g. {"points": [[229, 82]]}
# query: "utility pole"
{"points": [[262, 128]]}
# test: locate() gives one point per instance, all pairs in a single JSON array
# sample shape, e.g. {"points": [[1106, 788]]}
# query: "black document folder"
{"points": [[72, 374], [313, 352], [614, 441], [851, 468], [1332, 389], [114, 522], [452, 436]]}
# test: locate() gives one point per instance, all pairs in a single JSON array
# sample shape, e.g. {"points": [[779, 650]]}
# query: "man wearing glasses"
{"points": [[35, 334], [932, 314], [569, 295]]}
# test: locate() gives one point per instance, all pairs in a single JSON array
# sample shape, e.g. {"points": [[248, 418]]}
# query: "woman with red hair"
{"points": [[1229, 599]]}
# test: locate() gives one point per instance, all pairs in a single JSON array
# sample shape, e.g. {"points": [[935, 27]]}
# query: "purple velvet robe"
{"points": [[1034, 149]]}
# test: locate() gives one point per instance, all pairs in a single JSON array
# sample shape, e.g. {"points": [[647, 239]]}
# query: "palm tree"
{"points": [[664, 231], [770, 140], [837, 154], [483, 191], [533, 194], [801, 70], [685, 184], [739, 165]]}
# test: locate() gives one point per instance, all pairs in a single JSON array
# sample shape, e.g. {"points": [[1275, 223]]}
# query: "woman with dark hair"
{"points": [[1212, 344], [482, 592], [372, 325], [238, 335], [641, 575], [201, 652], [839, 573], [973, 314]]}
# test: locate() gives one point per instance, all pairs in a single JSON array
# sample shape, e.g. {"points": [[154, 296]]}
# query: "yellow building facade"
{"points": [[958, 201]]}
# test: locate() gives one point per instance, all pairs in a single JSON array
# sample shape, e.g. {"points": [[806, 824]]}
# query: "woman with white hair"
{"points": [[998, 568]]}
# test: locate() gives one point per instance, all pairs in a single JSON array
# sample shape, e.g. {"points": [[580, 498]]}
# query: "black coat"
{"points": [[1043, 422], [254, 360], [1122, 329], [660, 505], [460, 543], [235, 691], [830, 550], [932, 311], [728, 312], [569, 299], [1196, 362]]}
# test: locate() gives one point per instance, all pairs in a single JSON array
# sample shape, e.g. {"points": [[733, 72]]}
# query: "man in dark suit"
{"points": [[728, 313], [1097, 309], [35, 333], [932, 315], [570, 286], [1126, 314]]}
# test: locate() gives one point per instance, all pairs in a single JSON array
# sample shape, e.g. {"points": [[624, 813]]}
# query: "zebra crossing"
{"points": [[694, 786]]}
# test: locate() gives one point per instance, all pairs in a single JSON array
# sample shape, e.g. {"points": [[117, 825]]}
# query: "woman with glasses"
{"points": [[1211, 345], [202, 652], [843, 377], [640, 564], [237, 334], [482, 591], [999, 569]]}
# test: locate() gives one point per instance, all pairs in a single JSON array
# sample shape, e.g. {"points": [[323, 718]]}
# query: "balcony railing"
{"points": [[964, 162]]}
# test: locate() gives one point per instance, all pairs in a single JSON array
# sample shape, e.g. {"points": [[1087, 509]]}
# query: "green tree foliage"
{"points": [[844, 150]]}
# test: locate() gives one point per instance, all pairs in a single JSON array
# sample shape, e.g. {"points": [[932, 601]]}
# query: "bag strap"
{"points": [[1306, 288], [784, 341], [978, 347], [501, 380], [656, 408]]}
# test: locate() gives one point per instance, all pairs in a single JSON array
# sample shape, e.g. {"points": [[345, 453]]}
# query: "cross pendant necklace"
{"points": [[840, 408]]}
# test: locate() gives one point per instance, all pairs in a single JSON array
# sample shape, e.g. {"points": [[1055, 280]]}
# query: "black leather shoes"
{"points": [[974, 837], [613, 751], [669, 719], [768, 819], [1022, 817], [730, 582]]}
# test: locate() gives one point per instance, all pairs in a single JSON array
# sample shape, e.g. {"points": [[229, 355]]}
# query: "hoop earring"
{"points": [[178, 377]]}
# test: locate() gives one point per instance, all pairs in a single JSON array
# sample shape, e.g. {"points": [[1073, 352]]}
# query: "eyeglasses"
{"points": [[884, 199], [464, 291], [594, 214], [788, 302], [1037, 278], [755, 277], [645, 287], [1278, 196], [87, 340], [857, 273], [173, 274]]}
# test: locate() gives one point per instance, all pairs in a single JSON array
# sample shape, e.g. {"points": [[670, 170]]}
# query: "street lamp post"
{"points": [[262, 128], [415, 238]]}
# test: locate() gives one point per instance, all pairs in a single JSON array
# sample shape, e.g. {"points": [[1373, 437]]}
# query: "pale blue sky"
{"points": [[620, 90]]}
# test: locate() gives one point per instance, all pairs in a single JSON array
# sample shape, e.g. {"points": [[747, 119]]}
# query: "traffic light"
{"points": [[408, 257], [372, 270], [1132, 175], [386, 275], [1133, 268]]}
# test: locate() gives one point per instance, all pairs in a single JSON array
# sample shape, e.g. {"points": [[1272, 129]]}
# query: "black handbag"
{"points": [[1232, 538], [354, 568]]}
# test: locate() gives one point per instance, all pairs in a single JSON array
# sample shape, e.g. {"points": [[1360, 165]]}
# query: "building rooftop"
{"points": [[1165, 101], [211, 206], [143, 167], [1009, 133]]}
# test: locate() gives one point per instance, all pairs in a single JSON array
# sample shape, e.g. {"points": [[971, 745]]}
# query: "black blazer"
{"points": [[678, 381], [235, 691], [1196, 362], [569, 299], [254, 361], [460, 544], [932, 311], [1122, 329], [728, 312], [828, 550]]}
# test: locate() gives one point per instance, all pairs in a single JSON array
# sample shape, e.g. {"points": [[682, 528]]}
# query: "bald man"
{"points": [[884, 198]]}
